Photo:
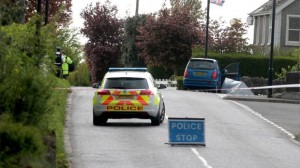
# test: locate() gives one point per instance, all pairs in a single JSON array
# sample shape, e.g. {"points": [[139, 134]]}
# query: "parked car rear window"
{"points": [[201, 64], [126, 83]]}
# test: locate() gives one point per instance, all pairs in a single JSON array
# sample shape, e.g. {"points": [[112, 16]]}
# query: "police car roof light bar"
{"points": [[127, 69]]}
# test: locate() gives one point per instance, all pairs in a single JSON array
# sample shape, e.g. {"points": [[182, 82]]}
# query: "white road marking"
{"points": [[265, 119], [201, 158], [197, 154]]}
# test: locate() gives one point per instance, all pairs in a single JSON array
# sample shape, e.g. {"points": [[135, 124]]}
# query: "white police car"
{"points": [[128, 93]]}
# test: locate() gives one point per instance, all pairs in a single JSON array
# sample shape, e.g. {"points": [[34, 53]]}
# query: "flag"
{"points": [[217, 2]]}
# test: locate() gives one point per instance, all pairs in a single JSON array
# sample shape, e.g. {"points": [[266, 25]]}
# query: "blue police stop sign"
{"points": [[187, 131]]}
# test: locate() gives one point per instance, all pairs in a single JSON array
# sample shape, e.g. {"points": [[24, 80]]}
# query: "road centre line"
{"points": [[197, 154], [265, 119], [201, 158]]}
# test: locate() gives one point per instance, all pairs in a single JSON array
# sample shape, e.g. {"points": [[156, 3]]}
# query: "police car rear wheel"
{"points": [[99, 120], [162, 115], [155, 121]]}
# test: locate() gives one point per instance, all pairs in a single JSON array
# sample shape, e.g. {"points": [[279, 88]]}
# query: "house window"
{"points": [[293, 30], [263, 34], [257, 30], [270, 30]]}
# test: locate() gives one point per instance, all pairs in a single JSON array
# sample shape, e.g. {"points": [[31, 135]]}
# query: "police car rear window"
{"points": [[126, 83], [201, 64]]}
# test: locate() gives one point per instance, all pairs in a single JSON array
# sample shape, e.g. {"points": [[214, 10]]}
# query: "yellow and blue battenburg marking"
{"points": [[117, 101]]}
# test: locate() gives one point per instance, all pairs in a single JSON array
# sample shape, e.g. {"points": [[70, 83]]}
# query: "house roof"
{"points": [[267, 7]]}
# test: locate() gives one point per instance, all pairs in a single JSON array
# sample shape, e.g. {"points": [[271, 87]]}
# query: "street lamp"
{"points": [[271, 70]]}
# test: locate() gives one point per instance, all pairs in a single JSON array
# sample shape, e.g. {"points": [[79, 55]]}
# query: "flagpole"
{"points": [[207, 24]]}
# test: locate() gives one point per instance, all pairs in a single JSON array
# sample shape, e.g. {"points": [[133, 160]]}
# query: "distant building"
{"points": [[287, 24]]}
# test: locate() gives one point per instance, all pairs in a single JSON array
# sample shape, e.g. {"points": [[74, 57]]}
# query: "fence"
{"points": [[168, 82]]}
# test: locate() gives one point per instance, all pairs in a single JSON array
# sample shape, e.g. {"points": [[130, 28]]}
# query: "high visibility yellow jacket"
{"points": [[65, 65]]}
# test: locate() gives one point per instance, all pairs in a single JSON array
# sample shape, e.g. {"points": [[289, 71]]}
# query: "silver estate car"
{"points": [[128, 93]]}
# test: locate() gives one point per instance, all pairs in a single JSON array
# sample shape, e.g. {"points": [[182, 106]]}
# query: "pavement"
{"points": [[286, 97]]}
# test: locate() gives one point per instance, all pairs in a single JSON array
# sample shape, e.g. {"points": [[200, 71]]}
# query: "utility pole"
{"points": [[38, 22], [207, 25], [39, 6], [22, 19], [38, 31], [137, 8], [271, 70], [46, 12], [130, 57]]}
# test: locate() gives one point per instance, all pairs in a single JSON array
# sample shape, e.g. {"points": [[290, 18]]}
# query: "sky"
{"points": [[230, 9]]}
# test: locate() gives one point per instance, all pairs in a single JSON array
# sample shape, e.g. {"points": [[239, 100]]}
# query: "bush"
{"points": [[27, 92], [20, 145], [162, 73], [24, 93], [80, 77], [294, 68], [179, 83]]}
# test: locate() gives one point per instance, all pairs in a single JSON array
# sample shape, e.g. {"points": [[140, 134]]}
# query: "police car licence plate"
{"points": [[124, 108], [122, 97]]}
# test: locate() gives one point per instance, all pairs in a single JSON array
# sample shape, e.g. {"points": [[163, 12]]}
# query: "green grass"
{"points": [[56, 119]]}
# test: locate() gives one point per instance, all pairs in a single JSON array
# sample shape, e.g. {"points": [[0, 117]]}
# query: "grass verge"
{"points": [[56, 120]]}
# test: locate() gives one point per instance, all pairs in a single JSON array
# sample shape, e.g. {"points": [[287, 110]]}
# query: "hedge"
{"points": [[250, 65], [255, 66], [20, 145]]}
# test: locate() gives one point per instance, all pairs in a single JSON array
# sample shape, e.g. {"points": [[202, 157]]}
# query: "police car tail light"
{"points": [[146, 92], [186, 74], [103, 92], [214, 75]]}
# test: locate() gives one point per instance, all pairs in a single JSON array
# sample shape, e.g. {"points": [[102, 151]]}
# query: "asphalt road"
{"points": [[236, 136], [284, 115]]}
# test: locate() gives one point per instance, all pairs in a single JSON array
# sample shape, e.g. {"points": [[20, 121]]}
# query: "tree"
{"points": [[11, 11], [194, 5], [234, 41], [217, 35], [14, 11], [104, 32], [129, 49], [166, 39], [55, 6]]}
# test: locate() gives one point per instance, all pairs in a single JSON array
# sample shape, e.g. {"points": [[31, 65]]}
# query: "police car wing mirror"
{"points": [[162, 86], [96, 85]]}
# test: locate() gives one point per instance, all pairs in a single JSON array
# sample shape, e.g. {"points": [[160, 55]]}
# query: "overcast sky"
{"points": [[230, 9]]}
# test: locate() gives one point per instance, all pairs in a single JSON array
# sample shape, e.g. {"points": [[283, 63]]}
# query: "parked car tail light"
{"points": [[103, 92], [146, 92], [214, 75], [186, 73]]}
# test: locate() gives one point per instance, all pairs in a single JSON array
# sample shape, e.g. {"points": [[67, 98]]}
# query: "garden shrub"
{"points": [[162, 73], [179, 83], [81, 76]]}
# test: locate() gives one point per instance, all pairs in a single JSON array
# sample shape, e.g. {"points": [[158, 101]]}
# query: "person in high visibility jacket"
{"points": [[65, 65]]}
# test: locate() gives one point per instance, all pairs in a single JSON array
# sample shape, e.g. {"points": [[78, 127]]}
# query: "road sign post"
{"points": [[186, 131]]}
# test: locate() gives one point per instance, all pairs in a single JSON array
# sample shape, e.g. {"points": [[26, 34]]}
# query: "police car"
{"points": [[128, 93]]}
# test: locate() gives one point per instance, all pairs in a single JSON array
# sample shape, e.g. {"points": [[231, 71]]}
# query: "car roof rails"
{"points": [[127, 69]]}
